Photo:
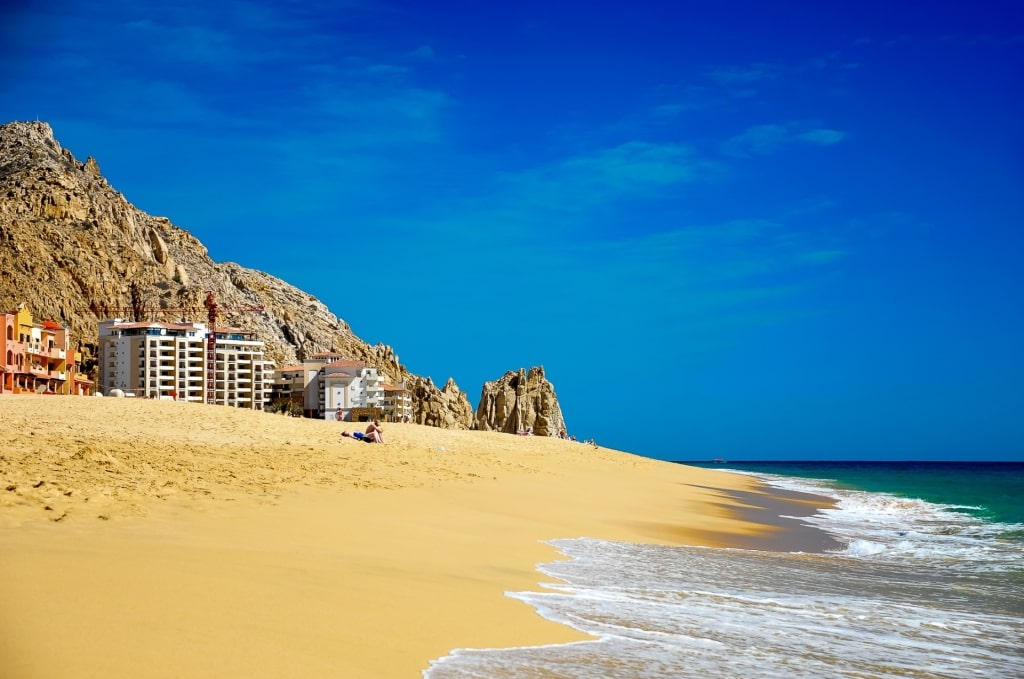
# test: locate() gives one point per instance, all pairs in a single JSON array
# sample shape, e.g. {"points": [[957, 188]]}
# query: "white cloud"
{"points": [[631, 166], [763, 140], [379, 116], [386, 70], [823, 137], [757, 140], [425, 52], [744, 75], [193, 43], [742, 272], [581, 182]]}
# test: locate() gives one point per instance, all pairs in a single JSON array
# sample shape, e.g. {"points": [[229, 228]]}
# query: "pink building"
{"points": [[37, 358]]}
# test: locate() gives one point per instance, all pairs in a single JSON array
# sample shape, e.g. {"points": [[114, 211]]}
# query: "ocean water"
{"points": [[929, 582]]}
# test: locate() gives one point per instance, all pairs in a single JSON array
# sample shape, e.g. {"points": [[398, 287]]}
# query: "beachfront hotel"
{"points": [[327, 382], [169, 360], [397, 405], [37, 357]]}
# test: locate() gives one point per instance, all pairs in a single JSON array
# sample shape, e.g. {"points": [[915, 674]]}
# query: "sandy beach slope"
{"points": [[161, 539]]}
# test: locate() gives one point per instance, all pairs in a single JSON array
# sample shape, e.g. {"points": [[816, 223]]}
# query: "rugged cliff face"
{"points": [[519, 401], [77, 251]]}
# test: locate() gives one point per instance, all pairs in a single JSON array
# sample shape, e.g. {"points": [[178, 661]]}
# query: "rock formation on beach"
{"points": [[520, 400], [77, 252], [448, 407]]}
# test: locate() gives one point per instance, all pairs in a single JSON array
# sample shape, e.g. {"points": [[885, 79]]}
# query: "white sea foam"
{"points": [[883, 526], [709, 613], [864, 548], [918, 590]]}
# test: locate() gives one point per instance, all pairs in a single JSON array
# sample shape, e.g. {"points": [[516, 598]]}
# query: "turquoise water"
{"points": [[991, 491], [927, 581]]}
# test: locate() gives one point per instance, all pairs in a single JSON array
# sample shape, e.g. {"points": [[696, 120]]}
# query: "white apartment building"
{"points": [[347, 385], [328, 382], [397, 403], [169, 360]]}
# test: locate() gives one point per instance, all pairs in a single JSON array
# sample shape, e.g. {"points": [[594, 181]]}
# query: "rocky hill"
{"points": [[78, 252]]}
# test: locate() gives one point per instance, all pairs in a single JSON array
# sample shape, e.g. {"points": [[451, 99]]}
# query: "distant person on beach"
{"points": [[365, 438], [341, 415]]}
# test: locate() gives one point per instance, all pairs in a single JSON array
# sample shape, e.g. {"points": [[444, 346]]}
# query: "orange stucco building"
{"points": [[37, 358]]}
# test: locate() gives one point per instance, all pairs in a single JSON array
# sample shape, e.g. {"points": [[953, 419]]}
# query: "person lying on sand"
{"points": [[373, 437]]}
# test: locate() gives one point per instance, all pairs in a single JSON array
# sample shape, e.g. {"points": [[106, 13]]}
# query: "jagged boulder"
{"points": [[447, 408], [519, 401]]}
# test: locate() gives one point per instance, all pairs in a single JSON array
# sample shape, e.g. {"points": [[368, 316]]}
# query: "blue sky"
{"points": [[740, 229]]}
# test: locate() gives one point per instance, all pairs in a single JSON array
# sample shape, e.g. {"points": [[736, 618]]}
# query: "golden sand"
{"points": [[163, 539]]}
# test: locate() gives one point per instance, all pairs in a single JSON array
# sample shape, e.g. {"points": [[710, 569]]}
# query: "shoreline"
{"points": [[258, 545]]}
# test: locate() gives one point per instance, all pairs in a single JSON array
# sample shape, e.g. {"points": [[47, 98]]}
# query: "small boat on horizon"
{"points": [[718, 460]]}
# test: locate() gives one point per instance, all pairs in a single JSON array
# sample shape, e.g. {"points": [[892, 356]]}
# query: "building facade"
{"points": [[37, 358], [289, 386], [328, 382], [397, 403], [169, 360], [352, 387]]}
